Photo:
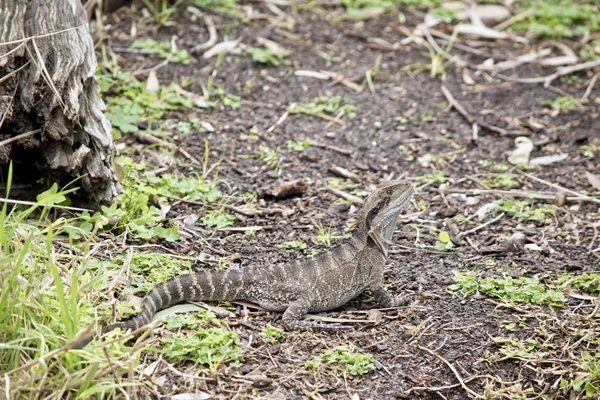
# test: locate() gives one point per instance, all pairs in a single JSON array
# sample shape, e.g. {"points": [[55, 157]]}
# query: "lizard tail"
{"points": [[202, 285]]}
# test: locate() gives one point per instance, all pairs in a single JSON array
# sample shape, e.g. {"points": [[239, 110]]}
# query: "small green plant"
{"points": [[271, 158], [129, 102], [293, 245], [326, 236], [194, 320], [161, 11], [163, 50], [435, 177], [324, 105], [271, 334], [443, 241], [523, 210], [342, 357], [501, 181], [513, 347], [589, 150], [297, 145], [217, 219], [511, 290], [586, 282], [264, 55], [337, 183], [564, 104], [212, 347], [148, 270]]}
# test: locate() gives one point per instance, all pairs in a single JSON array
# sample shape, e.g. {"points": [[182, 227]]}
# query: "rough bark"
{"points": [[49, 96]]}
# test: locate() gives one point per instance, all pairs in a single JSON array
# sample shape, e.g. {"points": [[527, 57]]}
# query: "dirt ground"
{"points": [[416, 346]]}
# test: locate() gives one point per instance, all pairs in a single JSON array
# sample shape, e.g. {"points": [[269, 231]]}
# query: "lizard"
{"points": [[321, 283]]}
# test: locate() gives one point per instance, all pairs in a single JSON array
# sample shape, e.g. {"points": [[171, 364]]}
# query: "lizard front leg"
{"points": [[292, 317]]}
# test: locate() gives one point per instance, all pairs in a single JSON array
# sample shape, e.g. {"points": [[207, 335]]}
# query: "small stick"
{"points": [[460, 380], [477, 228], [340, 150], [279, 121], [344, 173], [350, 197], [514, 193], [18, 137], [505, 24], [212, 34], [458, 107], [588, 90], [555, 186], [31, 203], [546, 80]]}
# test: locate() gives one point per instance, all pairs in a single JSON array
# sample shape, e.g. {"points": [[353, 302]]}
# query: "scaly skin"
{"points": [[325, 282]]}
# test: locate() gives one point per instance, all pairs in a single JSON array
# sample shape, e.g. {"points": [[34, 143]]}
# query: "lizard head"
{"points": [[381, 210]]}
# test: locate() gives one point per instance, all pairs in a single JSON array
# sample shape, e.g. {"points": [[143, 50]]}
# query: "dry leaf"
{"points": [[547, 160], [152, 84], [594, 180]]}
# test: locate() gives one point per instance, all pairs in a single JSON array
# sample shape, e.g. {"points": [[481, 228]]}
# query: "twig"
{"points": [[455, 59], [31, 203], [344, 173], [344, 195], [513, 193], [546, 80], [513, 19], [5, 77], [279, 121], [555, 186], [460, 380], [212, 34], [462, 111], [588, 90], [18, 137], [340, 150], [477, 228]]}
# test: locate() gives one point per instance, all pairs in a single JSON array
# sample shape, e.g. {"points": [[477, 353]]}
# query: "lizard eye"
{"points": [[389, 192]]}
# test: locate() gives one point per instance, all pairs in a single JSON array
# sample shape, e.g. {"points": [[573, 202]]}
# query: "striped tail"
{"points": [[203, 285]]}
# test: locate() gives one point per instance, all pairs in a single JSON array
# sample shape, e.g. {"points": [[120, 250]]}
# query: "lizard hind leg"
{"points": [[293, 318]]}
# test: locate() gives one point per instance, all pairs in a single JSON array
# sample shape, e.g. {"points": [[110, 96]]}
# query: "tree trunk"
{"points": [[51, 114]]}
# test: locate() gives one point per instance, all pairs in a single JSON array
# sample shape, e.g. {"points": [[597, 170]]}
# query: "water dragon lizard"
{"points": [[324, 282]]}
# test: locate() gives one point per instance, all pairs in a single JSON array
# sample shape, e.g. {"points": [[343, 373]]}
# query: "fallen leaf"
{"points": [[290, 189], [594, 180], [152, 84], [547, 160]]}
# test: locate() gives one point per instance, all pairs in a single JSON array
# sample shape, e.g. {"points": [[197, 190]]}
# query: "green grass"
{"points": [[163, 50], [43, 289], [559, 18], [324, 105]]}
